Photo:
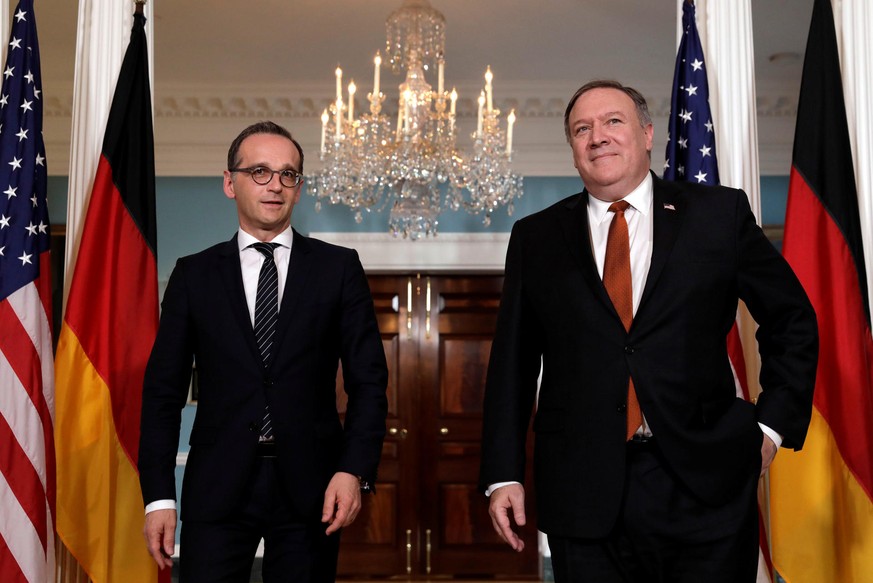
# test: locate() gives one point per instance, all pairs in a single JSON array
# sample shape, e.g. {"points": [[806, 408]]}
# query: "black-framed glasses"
{"points": [[262, 175]]}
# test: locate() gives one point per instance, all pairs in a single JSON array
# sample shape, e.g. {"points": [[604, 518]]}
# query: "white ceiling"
{"points": [[291, 47]]}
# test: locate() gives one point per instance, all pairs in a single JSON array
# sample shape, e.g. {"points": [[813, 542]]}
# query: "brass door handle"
{"points": [[408, 551], [398, 432], [444, 430], [409, 307], [427, 311], [427, 547]]}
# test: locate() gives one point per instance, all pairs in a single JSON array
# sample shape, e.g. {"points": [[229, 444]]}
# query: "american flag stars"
{"points": [[24, 223], [690, 140]]}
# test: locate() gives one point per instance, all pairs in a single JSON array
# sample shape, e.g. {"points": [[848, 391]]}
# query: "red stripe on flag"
{"points": [[762, 539], [844, 384], [25, 362], [23, 480], [43, 285], [15, 464], [9, 567], [115, 333], [44, 289]]}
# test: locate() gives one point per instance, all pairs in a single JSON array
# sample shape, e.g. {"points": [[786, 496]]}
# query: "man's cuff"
{"points": [[777, 439], [497, 485], [160, 505]]}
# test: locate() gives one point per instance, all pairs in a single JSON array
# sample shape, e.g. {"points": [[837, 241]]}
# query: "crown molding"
{"points": [[194, 124], [532, 101]]}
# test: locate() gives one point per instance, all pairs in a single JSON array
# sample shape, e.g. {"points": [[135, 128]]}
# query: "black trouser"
{"points": [[295, 550], [664, 534]]}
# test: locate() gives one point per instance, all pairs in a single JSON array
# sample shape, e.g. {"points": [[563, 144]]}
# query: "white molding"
{"points": [[456, 252], [195, 124]]}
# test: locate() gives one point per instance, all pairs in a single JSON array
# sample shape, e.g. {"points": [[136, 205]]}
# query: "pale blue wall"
{"points": [[193, 213]]}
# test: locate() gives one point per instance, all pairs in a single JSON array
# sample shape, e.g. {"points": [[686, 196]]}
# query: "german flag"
{"points": [[110, 322], [821, 499]]}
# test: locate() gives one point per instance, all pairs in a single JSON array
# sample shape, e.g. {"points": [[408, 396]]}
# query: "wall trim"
{"points": [[195, 124], [456, 252]]}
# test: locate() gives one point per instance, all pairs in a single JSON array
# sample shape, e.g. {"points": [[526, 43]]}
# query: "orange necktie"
{"points": [[617, 280]]}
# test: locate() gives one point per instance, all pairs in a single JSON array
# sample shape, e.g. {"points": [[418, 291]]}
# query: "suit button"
{"points": [[254, 427], [621, 408], [268, 383], [628, 349]]}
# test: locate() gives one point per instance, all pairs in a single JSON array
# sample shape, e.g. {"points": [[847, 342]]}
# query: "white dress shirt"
{"points": [[251, 260]]}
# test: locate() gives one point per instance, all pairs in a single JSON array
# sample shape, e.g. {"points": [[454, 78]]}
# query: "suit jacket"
{"points": [[707, 252], [326, 316]]}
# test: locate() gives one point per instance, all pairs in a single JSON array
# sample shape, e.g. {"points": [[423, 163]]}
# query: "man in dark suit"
{"points": [[646, 462], [269, 457]]}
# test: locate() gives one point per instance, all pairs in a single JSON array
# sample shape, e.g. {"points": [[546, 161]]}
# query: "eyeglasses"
{"points": [[262, 175]]}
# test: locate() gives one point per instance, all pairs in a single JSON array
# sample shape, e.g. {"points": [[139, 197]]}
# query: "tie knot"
{"points": [[619, 206], [266, 249]]}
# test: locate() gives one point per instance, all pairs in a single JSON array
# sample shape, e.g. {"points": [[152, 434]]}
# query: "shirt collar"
{"points": [[285, 238], [639, 198]]}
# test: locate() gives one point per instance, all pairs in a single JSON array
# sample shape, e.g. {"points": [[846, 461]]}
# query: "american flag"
{"points": [[27, 462], [691, 158], [691, 138]]}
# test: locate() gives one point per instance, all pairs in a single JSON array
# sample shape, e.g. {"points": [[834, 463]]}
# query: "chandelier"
{"points": [[412, 163]]}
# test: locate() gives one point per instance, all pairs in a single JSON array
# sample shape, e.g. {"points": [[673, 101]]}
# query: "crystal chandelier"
{"points": [[413, 164]]}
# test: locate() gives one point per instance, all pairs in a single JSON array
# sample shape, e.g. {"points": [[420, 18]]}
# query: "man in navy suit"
{"points": [[666, 490], [269, 456]]}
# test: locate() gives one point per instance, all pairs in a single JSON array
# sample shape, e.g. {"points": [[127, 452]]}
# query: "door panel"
{"points": [[427, 517], [373, 545], [454, 366]]}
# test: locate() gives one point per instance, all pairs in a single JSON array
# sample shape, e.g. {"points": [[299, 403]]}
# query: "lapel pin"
{"points": [[669, 207]]}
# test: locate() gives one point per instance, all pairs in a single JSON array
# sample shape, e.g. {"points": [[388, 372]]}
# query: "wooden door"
{"points": [[427, 517], [375, 544], [453, 365]]}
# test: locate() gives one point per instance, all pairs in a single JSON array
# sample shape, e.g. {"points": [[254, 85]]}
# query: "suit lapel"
{"points": [[299, 268], [574, 223], [231, 275], [667, 209]]}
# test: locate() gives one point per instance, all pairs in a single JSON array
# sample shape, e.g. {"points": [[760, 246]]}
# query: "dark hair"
{"points": [[262, 127], [636, 97]]}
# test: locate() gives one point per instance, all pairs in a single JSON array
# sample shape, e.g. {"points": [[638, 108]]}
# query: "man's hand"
{"points": [[160, 535], [503, 500], [768, 452], [342, 501]]}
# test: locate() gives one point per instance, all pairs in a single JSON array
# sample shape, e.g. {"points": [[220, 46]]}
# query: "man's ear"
{"points": [[228, 185]]}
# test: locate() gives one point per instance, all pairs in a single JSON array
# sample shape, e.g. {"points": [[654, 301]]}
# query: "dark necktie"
{"points": [[617, 280], [266, 316]]}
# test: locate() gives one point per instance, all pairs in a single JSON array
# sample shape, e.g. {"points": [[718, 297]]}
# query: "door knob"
{"points": [[408, 551], [398, 432], [428, 549], [444, 430]]}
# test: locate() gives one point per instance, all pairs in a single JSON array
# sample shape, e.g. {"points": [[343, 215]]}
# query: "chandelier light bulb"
{"points": [[352, 89], [488, 77], [324, 120], [377, 61], [510, 121]]}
